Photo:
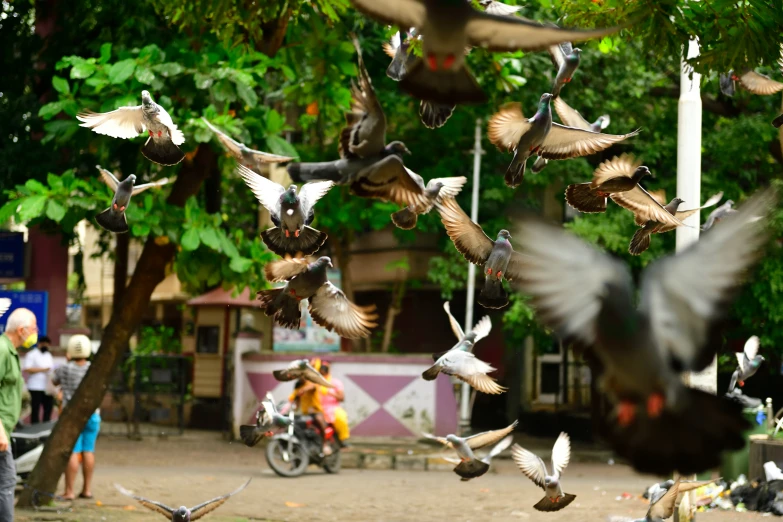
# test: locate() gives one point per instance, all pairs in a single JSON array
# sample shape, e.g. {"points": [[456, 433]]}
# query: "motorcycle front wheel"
{"points": [[286, 463]]}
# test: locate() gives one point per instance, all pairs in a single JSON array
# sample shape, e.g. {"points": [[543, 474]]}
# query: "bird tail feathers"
{"points": [[436, 356], [113, 221], [472, 468], [405, 219], [581, 197], [516, 171], [302, 172], [162, 152], [493, 294], [435, 115], [432, 373], [283, 307], [443, 86], [250, 435], [308, 242], [546, 504], [639, 242]]}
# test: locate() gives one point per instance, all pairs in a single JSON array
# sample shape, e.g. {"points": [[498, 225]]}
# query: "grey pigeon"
{"points": [[469, 466], [182, 514], [433, 114], [571, 118], [365, 131], [718, 214], [619, 174], [459, 362], [447, 27], [113, 218], [5, 304], [480, 331], [534, 468], [290, 212], [436, 190], [301, 369], [329, 307], [657, 489], [751, 81], [267, 420], [128, 122], [250, 158], [748, 362], [638, 354], [566, 58], [509, 130], [496, 450], [661, 505], [345, 170], [497, 258]]}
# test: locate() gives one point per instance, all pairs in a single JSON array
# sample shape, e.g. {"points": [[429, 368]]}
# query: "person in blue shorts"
{"points": [[68, 377]]}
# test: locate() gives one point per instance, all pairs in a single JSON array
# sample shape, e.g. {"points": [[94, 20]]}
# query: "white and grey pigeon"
{"points": [[447, 27], [533, 467], [469, 466], [250, 158], [565, 58], [718, 214], [267, 420], [113, 218], [509, 130], [496, 450], [5, 304], [461, 363], [128, 122], [662, 504], [499, 8], [417, 202], [587, 298], [748, 362], [480, 331], [291, 212], [328, 305], [183, 513], [301, 369]]}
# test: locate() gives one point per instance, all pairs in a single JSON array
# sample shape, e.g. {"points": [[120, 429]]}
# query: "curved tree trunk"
{"points": [[150, 271]]}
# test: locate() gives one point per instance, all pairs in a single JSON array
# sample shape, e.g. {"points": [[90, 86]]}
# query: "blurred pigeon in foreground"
{"points": [[480, 331], [748, 362], [535, 469], [619, 174], [250, 158], [587, 297], [5, 304], [113, 218], [509, 130], [267, 419], [301, 369], [183, 514], [497, 258], [447, 27], [290, 212], [499, 448], [661, 506], [328, 305], [128, 122], [469, 466]]}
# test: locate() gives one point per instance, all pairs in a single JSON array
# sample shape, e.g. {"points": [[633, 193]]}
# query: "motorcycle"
{"points": [[27, 443], [289, 453]]}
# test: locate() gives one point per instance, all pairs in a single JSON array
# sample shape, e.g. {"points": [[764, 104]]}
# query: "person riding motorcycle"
{"points": [[330, 403], [306, 395]]}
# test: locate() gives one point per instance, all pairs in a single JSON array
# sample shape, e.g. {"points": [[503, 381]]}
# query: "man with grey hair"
{"points": [[21, 330]]}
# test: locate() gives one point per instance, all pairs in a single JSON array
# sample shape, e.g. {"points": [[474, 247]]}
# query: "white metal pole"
{"points": [[464, 403]]}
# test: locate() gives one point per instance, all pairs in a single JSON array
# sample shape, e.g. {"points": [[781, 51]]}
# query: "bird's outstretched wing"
{"points": [[152, 505], [108, 178], [529, 464], [455, 326], [211, 505], [488, 438], [561, 453], [125, 122], [5, 304], [311, 192], [266, 191], [468, 237], [138, 189], [284, 269], [402, 13], [570, 116], [760, 84], [331, 309], [568, 142], [507, 126]]}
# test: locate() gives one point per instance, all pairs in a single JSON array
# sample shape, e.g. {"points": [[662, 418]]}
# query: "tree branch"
{"points": [[711, 104]]}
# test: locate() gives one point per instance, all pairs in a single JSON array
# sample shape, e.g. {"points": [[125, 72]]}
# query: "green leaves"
{"points": [[190, 240], [240, 264], [121, 71], [55, 211], [31, 207], [61, 85]]}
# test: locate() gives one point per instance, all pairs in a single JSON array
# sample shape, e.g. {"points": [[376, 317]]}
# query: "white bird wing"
{"points": [[529, 464], [451, 186], [741, 361], [570, 116], [455, 326], [500, 447], [108, 178], [683, 294], [5, 304], [561, 453], [751, 348], [331, 309], [137, 189], [177, 136], [568, 142], [482, 328], [311, 192], [125, 122], [499, 8], [442, 440], [663, 507], [267, 192], [487, 438]]}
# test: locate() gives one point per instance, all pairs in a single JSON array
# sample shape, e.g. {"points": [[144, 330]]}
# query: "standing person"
{"points": [[68, 377], [38, 363], [21, 330], [330, 400]]}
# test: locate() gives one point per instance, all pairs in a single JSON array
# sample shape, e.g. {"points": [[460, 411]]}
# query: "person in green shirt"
{"points": [[21, 330]]}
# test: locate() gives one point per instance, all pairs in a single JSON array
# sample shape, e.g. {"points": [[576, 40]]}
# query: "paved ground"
{"points": [[188, 471]]}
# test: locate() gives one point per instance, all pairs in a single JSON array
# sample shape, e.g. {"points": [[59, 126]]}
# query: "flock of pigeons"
{"points": [[584, 295]]}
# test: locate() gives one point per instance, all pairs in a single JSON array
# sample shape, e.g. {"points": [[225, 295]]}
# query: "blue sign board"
{"points": [[36, 302], [11, 255]]}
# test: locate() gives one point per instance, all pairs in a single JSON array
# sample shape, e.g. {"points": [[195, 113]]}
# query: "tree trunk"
{"points": [[395, 307], [150, 271]]}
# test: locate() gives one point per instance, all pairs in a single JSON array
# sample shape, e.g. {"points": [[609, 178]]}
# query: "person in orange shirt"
{"points": [[330, 403], [308, 398]]}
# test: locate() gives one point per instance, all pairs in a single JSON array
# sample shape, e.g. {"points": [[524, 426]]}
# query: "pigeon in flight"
{"points": [[128, 122], [510, 131], [718, 214], [290, 212], [5, 304], [433, 114], [496, 450], [329, 307], [662, 503], [183, 514], [587, 297], [650, 217], [267, 420], [480, 331], [469, 466], [748, 362], [250, 158], [534, 468], [113, 218], [497, 258], [301, 369], [619, 174], [751, 81], [494, 7], [565, 58], [459, 362], [447, 27]]}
